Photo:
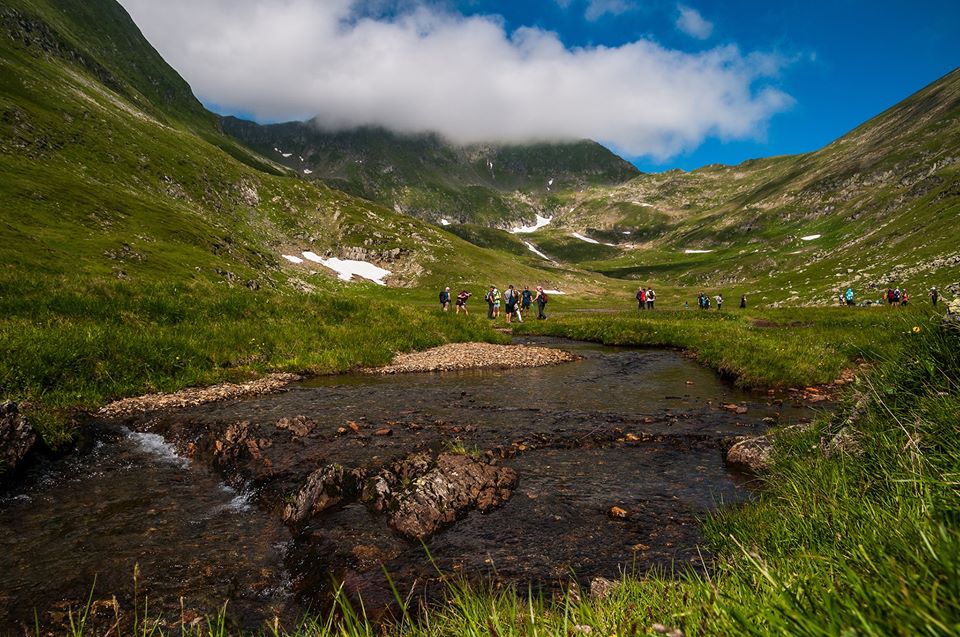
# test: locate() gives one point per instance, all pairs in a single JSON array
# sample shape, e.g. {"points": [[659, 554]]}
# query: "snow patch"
{"points": [[444, 222], [690, 251], [554, 292], [285, 155], [292, 259], [577, 235], [642, 203], [811, 237], [307, 171], [550, 183], [626, 232], [534, 250], [541, 222], [346, 269]]}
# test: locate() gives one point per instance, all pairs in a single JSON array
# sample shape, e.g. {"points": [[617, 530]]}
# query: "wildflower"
{"points": [[916, 329]]}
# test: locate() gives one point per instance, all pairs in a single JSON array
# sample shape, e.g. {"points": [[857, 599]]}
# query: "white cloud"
{"points": [[596, 9], [692, 23], [464, 77]]}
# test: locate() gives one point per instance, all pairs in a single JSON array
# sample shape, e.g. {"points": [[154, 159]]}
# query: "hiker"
{"points": [[462, 301], [510, 302], [706, 302], [849, 296], [904, 297], [651, 297], [496, 302], [489, 299], [641, 298], [934, 295], [445, 299], [686, 305], [719, 300], [525, 299], [541, 298], [700, 301], [743, 301]]}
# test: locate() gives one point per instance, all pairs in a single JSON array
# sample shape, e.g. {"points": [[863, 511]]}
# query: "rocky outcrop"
{"points": [[753, 454], [324, 488], [455, 485], [16, 436], [422, 495]]}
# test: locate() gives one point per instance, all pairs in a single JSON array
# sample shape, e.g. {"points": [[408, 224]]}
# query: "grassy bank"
{"points": [[67, 343], [759, 348], [856, 532]]}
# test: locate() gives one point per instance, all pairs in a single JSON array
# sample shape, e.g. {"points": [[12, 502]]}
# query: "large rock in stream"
{"points": [[453, 486], [16, 436]]}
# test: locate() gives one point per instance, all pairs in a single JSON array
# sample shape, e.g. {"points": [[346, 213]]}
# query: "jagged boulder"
{"points": [[16, 436], [454, 485], [753, 454], [325, 487]]}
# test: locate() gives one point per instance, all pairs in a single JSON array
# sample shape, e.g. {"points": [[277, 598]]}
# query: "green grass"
{"points": [[759, 348]]}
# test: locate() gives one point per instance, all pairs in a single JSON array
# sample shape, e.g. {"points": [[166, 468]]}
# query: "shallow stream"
{"points": [[642, 430]]}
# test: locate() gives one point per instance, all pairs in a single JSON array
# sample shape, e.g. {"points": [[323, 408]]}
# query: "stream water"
{"points": [[638, 429]]}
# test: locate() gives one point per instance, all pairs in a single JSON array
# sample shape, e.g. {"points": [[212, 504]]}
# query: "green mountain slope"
{"points": [[430, 178], [878, 207], [112, 168]]}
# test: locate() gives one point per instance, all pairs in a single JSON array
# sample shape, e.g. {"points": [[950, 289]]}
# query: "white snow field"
{"points": [[534, 250], [541, 222], [346, 269]]}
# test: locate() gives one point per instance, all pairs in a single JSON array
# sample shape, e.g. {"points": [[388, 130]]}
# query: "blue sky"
{"points": [[850, 59], [666, 84]]}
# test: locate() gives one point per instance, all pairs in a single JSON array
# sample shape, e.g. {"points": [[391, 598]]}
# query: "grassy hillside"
{"points": [[878, 208]]}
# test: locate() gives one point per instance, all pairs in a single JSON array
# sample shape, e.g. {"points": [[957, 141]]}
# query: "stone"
{"points": [[617, 512], [324, 488], [298, 426], [386, 431], [753, 454], [453, 486], [16, 436], [601, 587], [354, 427]]}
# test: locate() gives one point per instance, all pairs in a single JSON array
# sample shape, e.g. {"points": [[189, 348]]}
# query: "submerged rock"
{"points": [[753, 454], [16, 436]]}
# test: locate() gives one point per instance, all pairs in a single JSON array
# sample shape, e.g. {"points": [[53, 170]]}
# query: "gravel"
{"points": [[474, 356]]}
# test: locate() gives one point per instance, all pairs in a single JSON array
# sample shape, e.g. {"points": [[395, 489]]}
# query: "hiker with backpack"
{"points": [[641, 298], [462, 301], [719, 300], [849, 296], [743, 301], [651, 297], [510, 302], [541, 298], [496, 302], [934, 296], [489, 299], [445, 299], [525, 298]]}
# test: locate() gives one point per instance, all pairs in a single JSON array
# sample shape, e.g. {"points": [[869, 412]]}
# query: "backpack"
{"points": [[544, 297]]}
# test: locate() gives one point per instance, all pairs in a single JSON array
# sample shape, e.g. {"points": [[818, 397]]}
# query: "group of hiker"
{"points": [[646, 297], [891, 297], [514, 302]]}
